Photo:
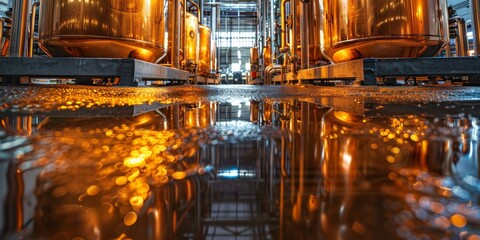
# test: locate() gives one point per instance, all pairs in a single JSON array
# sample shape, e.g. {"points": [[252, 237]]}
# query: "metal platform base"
{"points": [[131, 72], [368, 71], [204, 80]]}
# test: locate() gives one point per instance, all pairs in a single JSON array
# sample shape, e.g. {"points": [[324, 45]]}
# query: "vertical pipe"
{"points": [[214, 24], [184, 29], [200, 9], [19, 28], [293, 44], [177, 32], [283, 25], [264, 24], [461, 44], [475, 5], [272, 30], [304, 26], [213, 21], [1, 32], [32, 29], [283, 39], [257, 21], [448, 50]]}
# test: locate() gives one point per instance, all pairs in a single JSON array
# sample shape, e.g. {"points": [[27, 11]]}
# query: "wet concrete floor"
{"points": [[239, 162]]}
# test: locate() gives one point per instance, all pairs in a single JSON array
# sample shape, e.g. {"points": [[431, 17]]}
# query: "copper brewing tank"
{"points": [[113, 29], [191, 35], [204, 50], [370, 28]]}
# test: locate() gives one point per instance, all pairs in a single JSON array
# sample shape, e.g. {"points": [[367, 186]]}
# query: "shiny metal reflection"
{"points": [[213, 56], [191, 34], [110, 29], [367, 28], [204, 51], [317, 173], [434, 155]]}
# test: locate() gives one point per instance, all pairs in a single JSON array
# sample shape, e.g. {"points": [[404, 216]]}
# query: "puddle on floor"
{"points": [[321, 168]]}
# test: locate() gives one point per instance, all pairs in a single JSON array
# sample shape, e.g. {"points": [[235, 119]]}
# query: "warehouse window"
{"points": [[235, 39]]}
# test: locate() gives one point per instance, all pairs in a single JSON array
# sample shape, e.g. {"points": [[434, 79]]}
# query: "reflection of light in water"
{"points": [[347, 160], [234, 173], [346, 157], [145, 156]]}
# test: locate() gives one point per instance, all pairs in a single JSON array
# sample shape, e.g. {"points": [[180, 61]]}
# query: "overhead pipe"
{"points": [[198, 10], [19, 28], [461, 41], [475, 5]]}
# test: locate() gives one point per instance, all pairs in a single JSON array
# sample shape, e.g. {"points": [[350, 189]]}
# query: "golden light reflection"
{"points": [[93, 190], [391, 159], [346, 55], [458, 220], [346, 161], [130, 219], [136, 202], [179, 175], [133, 162]]}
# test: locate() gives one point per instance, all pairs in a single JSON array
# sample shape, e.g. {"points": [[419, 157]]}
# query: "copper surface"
{"points": [[191, 34], [204, 54], [115, 29], [294, 162], [364, 28]]}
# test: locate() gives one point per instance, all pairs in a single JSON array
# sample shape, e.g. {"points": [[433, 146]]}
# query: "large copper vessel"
{"points": [[191, 42], [108, 28], [370, 28], [205, 46]]}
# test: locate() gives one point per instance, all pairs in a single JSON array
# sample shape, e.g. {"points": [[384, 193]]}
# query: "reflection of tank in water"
{"points": [[109, 192]]}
